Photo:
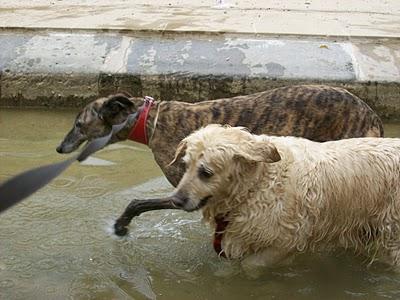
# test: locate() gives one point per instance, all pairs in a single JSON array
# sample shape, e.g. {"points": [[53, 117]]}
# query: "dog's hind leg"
{"points": [[137, 207]]}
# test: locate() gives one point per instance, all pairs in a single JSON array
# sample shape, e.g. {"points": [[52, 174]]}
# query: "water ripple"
{"points": [[22, 154], [63, 182], [46, 264], [7, 283]]}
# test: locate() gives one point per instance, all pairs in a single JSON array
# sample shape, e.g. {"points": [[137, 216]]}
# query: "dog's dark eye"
{"points": [[78, 124], [205, 173]]}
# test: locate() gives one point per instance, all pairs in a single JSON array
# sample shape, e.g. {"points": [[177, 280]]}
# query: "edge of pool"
{"points": [[60, 68]]}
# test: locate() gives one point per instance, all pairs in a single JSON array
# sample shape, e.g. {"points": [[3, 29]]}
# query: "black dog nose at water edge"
{"points": [[17, 188]]}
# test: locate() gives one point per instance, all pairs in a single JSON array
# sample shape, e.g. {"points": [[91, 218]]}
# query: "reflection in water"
{"points": [[57, 244]]}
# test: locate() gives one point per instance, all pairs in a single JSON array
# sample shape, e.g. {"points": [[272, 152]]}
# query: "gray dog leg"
{"points": [[137, 207]]}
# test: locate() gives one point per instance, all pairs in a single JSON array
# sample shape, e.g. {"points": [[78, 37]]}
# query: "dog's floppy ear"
{"points": [[180, 151], [114, 105], [257, 151]]}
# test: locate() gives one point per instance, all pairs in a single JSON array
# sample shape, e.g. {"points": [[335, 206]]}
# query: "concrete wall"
{"points": [[40, 68]]}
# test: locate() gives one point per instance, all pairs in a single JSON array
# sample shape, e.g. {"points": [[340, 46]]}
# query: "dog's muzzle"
{"points": [[187, 204]]}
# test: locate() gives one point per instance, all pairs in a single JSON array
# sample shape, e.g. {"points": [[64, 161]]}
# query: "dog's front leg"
{"points": [[137, 207], [256, 263]]}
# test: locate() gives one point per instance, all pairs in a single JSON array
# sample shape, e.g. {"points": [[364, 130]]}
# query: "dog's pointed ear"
{"points": [[180, 151], [115, 105], [258, 151]]}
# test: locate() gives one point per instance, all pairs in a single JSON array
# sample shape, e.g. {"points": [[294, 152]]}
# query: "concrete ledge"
{"points": [[69, 69], [372, 18]]}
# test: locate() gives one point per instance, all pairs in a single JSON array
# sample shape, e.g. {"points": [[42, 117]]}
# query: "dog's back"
{"points": [[316, 112]]}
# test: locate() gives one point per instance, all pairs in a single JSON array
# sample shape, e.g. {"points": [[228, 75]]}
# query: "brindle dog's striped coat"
{"points": [[318, 113]]}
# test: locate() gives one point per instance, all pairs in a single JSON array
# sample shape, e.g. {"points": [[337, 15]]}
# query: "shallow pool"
{"points": [[58, 243]]}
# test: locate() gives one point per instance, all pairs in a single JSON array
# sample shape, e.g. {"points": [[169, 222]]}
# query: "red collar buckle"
{"points": [[138, 132]]}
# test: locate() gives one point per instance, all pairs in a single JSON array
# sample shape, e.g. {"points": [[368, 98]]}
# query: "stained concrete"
{"points": [[66, 53], [232, 56]]}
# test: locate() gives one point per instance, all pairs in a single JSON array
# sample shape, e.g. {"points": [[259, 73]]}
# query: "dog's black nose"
{"points": [[180, 199], [59, 149]]}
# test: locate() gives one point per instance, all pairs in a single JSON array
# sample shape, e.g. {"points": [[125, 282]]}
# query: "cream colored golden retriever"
{"points": [[272, 197]]}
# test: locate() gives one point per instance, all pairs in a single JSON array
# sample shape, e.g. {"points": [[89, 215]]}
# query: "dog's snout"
{"points": [[183, 201], [180, 199], [59, 149]]}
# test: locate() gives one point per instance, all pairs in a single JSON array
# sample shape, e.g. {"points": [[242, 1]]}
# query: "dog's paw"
{"points": [[120, 230]]}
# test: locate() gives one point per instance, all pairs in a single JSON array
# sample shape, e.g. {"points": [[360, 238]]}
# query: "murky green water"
{"points": [[58, 243]]}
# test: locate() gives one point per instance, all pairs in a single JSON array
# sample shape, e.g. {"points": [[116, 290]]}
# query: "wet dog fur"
{"points": [[286, 195]]}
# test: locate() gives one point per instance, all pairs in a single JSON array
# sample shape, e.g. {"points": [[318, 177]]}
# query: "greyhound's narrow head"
{"points": [[216, 158], [96, 120]]}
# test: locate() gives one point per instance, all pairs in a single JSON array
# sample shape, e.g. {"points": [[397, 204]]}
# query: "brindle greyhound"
{"points": [[319, 113]]}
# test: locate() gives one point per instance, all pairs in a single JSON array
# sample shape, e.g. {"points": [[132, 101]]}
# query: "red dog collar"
{"points": [[219, 231], [138, 132]]}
